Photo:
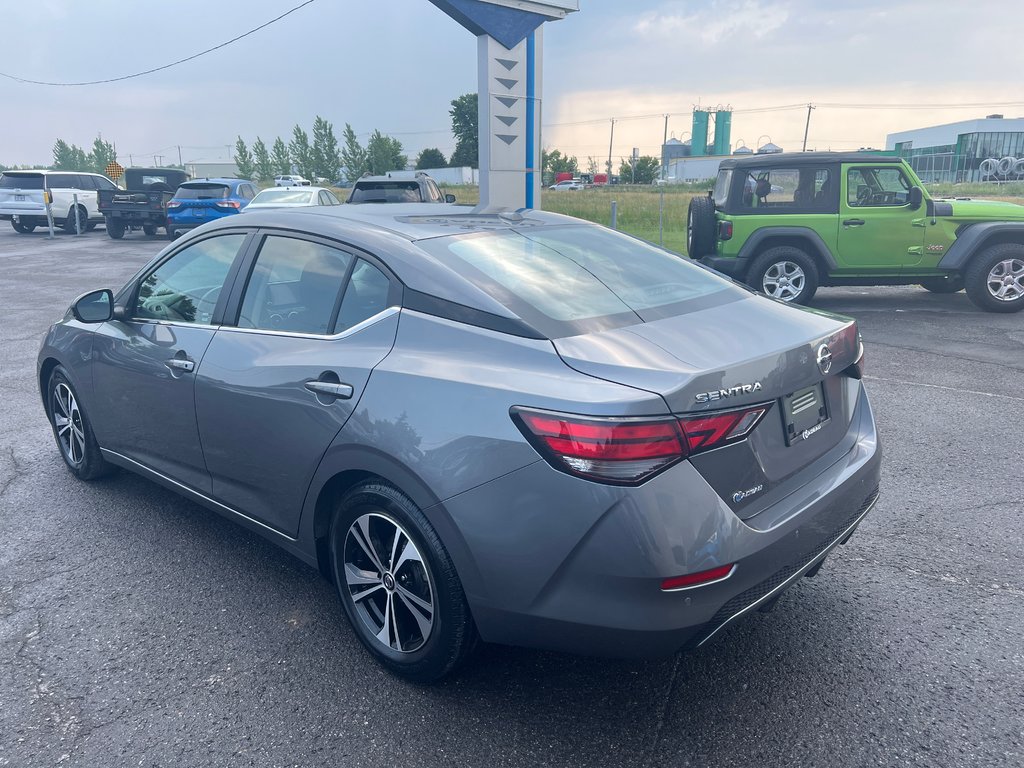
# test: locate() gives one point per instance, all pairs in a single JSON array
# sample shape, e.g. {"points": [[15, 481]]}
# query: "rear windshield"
{"points": [[202, 192], [283, 196], [21, 181], [577, 279], [386, 192]]}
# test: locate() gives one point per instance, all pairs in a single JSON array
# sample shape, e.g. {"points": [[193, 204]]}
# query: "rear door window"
{"points": [[295, 286], [62, 181]]}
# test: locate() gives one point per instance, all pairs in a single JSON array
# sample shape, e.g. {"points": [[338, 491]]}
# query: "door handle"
{"points": [[178, 364], [853, 222], [330, 388]]}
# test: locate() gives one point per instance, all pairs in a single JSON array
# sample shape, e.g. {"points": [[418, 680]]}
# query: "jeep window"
{"points": [[876, 187], [21, 181], [787, 190], [721, 193]]}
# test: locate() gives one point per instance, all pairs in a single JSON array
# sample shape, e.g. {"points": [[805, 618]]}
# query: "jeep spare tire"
{"points": [[785, 273], [700, 227]]}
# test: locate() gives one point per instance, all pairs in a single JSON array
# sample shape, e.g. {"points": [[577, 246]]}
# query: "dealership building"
{"points": [[987, 149]]}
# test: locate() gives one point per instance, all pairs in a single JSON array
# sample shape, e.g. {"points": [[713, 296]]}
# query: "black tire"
{"points": [[995, 278], [943, 284], [149, 229], [426, 573], [24, 229], [115, 229], [785, 273], [171, 234], [91, 226], [701, 221], [72, 429], [69, 222]]}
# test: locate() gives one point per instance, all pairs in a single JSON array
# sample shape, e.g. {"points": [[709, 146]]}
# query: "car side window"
{"points": [[185, 288], [365, 295], [104, 183], [323, 198], [61, 181], [295, 286], [876, 187], [433, 193]]}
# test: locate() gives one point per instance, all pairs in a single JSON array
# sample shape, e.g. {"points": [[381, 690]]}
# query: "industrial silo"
{"points": [[723, 132], [699, 134]]}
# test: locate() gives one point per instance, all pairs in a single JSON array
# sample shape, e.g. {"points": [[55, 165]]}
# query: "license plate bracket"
{"points": [[804, 413]]}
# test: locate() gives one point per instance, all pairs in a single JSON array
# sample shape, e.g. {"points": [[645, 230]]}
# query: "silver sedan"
{"points": [[293, 197]]}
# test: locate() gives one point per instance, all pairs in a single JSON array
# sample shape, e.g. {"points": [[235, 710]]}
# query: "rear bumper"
{"points": [[603, 596]]}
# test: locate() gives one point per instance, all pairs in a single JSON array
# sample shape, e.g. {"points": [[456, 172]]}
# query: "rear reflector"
{"points": [[627, 451], [698, 579]]}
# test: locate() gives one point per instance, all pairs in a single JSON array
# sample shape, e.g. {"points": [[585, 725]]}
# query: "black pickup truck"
{"points": [[143, 203]]}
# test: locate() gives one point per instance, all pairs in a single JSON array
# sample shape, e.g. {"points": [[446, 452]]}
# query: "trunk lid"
{"points": [[740, 353]]}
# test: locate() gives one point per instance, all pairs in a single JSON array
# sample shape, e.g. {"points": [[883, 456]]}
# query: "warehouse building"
{"points": [[987, 149]]}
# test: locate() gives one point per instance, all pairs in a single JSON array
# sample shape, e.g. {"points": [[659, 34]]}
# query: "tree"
{"points": [[465, 126], [430, 158], [353, 155], [647, 169], [102, 155], [384, 153], [261, 159], [326, 158], [301, 152], [592, 166], [556, 162], [280, 159], [69, 157], [244, 161]]}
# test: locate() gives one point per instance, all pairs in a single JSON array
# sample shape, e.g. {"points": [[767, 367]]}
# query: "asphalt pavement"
{"points": [[139, 629]]}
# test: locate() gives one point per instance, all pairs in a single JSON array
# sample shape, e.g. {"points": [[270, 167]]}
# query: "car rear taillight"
{"points": [[725, 230], [228, 204], [627, 451], [173, 204]]}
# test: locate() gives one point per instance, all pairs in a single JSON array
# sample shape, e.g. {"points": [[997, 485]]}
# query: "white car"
{"points": [[569, 184], [292, 197], [22, 198], [290, 180]]}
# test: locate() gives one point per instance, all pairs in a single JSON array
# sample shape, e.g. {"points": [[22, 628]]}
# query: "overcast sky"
{"points": [[396, 64]]}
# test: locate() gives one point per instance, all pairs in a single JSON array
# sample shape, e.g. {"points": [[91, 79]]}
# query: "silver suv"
{"points": [[23, 198], [398, 187]]}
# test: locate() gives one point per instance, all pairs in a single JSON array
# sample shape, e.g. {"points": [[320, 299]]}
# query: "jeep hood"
{"points": [[986, 210]]}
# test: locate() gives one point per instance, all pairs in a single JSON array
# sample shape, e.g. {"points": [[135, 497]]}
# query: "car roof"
{"points": [[806, 158], [297, 188], [24, 171], [193, 182]]}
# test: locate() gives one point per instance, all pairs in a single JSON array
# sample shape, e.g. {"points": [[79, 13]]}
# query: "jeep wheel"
{"points": [[785, 273], [149, 230], [943, 284], [700, 227], [115, 229], [995, 278]]}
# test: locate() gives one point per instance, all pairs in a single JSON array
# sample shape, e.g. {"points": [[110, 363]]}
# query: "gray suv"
{"points": [[520, 427]]}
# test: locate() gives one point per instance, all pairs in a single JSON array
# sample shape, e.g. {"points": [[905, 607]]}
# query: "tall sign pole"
{"points": [[509, 76]]}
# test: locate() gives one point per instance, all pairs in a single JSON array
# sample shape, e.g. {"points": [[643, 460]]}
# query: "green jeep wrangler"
{"points": [[785, 224]]}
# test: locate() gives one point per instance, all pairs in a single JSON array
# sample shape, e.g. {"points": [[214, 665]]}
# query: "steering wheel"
{"points": [[207, 303]]}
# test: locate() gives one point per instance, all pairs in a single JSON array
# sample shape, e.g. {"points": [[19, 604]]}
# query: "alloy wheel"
{"points": [[389, 583], [67, 419], [1006, 280], [783, 280]]}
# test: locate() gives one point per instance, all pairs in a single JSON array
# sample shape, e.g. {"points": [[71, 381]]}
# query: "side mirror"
{"points": [[449, 198], [916, 198], [94, 307]]}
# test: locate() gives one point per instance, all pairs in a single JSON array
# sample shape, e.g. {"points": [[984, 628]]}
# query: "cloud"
{"points": [[722, 21]]}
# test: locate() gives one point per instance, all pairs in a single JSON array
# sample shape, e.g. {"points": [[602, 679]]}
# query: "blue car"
{"points": [[197, 202]]}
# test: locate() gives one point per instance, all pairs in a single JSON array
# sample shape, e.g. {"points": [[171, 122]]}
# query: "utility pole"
{"points": [[130, 161], [179, 156], [664, 158], [807, 126], [611, 139]]}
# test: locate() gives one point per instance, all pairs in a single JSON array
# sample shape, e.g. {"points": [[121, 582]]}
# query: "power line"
{"points": [[165, 66]]}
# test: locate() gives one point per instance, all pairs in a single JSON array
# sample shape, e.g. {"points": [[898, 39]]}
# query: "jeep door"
{"points": [[879, 231]]}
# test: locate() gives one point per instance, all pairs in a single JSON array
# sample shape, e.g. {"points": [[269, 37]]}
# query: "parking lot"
{"points": [[137, 628]]}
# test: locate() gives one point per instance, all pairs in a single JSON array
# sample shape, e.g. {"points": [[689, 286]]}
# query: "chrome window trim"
{"points": [[382, 315]]}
